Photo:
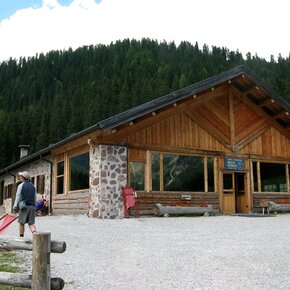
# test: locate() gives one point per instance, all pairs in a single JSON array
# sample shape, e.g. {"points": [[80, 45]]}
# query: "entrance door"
{"points": [[240, 193], [234, 194]]}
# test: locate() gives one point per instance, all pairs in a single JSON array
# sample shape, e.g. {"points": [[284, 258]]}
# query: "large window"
{"points": [[172, 172], [272, 177], [183, 173], [79, 172], [137, 175]]}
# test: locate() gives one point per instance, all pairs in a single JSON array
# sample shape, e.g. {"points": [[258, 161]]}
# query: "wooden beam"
{"points": [[259, 177], [260, 111], [216, 112], [161, 175], [264, 101], [197, 118], [279, 113], [220, 184], [66, 174], [252, 189], [231, 119], [287, 177], [148, 184], [242, 143], [205, 175], [201, 152], [81, 141], [168, 149]]}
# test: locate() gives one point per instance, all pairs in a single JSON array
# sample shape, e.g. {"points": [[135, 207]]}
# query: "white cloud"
{"points": [[256, 26]]}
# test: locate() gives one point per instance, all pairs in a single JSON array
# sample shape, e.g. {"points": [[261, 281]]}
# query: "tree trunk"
{"points": [[12, 243], [161, 210], [24, 280]]}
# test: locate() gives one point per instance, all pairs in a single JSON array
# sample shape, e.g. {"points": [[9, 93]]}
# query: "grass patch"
{"points": [[11, 262]]}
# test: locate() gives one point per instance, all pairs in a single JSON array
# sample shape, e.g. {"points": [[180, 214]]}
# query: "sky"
{"points": [[30, 27]]}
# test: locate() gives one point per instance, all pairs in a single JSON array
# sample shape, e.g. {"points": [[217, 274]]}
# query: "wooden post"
{"points": [[41, 261], [259, 177], [148, 184], [287, 177], [205, 174]]}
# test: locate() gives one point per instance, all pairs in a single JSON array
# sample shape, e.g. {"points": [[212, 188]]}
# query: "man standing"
{"points": [[25, 193]]}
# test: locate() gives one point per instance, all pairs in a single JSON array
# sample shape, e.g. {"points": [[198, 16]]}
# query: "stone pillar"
{"points": [[108, 173]]}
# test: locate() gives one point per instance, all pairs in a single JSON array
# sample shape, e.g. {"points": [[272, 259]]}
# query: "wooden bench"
{"points": [[275, 207], [161, 210]]}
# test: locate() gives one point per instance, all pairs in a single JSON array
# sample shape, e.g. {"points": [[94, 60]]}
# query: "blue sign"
{"points": [[234, 164]]}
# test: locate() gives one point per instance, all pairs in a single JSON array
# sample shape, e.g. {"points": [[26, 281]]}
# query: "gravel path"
{"points": [[220, 252]]}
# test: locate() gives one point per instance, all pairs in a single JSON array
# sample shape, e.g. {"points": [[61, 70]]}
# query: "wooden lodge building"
{"points": [[223, 141]]}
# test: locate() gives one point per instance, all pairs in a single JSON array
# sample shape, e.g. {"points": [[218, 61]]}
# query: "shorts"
{"points": [[27, 215]]}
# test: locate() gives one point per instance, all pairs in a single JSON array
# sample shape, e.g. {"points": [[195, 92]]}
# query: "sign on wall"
{"points": [[234, 164]]}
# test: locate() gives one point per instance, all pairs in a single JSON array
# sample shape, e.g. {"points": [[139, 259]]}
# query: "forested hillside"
{"points": [[45, 98]]}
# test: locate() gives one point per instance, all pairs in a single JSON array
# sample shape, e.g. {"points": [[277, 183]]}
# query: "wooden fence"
{"points": [[41, 247]]}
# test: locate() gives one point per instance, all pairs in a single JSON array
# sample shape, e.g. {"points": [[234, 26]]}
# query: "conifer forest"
{"points": [[47, 97]]}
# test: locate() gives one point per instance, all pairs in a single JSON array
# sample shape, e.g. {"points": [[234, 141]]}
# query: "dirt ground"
{"points": [[216, 252]]}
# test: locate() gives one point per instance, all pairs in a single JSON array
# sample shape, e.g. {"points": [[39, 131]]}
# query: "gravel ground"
{"points": [[216, 252]]}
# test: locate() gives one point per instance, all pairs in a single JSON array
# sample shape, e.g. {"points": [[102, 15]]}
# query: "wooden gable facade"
{"points": [[228, 118]]}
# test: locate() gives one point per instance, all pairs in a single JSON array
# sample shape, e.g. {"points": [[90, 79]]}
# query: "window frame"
{"points": [[256, 173], [129, 175], [8, 191], [60, 176], [65, 158], [69, 172], [40, 184], [148, 176]]}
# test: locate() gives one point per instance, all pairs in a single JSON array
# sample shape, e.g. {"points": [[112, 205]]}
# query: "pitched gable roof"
{"points": [[191, 90]]}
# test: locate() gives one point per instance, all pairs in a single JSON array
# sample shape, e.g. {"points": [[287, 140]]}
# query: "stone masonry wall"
{"points": [[108, 173], [39, 167]]}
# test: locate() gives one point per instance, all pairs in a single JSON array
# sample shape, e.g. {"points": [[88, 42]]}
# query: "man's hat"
{"points": [[25, 174]]}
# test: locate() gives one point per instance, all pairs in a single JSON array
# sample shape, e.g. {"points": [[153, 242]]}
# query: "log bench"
{"points": [[276, 207], [160, 210]]}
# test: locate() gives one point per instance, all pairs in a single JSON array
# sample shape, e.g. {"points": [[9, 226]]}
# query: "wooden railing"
{"points": [[41, 247]]}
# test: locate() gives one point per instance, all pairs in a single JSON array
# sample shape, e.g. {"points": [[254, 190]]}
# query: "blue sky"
{"points": [[9, 7], [30, 27]]}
